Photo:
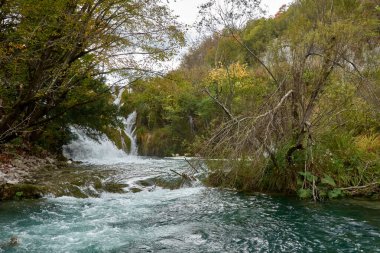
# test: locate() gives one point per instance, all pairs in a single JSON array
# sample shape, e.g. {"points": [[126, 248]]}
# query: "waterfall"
{"points": [[129, 130], [117, 100], [104, 151], [191, 123], [128, 127], [88, 150]]}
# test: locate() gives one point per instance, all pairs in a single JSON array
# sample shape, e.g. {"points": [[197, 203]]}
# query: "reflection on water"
{"points": [[192, 219]]}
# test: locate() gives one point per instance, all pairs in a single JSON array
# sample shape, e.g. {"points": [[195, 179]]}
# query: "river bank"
{"points": [[19, 170], [27, 176], [192, 218]]}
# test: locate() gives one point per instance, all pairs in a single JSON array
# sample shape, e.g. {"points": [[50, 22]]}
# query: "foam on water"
{"points": [[194, 219], [129, 130], [87, 150]]}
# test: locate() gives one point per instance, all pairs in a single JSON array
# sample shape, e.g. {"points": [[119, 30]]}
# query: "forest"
{"points": [[288, 104], [283, 104], [189, 126]]}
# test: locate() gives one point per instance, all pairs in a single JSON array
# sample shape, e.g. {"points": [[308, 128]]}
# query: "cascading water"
{"points": [[144, 205], [88, 150], [129, 130], [104, 151]]}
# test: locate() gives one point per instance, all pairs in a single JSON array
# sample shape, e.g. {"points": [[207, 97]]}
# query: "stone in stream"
{"points": [[13, 242]]}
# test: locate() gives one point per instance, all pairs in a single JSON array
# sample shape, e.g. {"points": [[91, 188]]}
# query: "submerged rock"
{"points": [[13, 242]]}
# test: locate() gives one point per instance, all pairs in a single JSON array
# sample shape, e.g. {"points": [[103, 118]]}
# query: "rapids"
{"points": [[115, 202], [192, 218]]}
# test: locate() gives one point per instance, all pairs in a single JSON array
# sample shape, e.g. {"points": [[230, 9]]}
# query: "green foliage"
{"points": [[171, 112], [324, 140], [53, 54], [328, 181], [336, 193], [90, 106], [290, 103], [304, 193], [308, 176], [19, 194]]}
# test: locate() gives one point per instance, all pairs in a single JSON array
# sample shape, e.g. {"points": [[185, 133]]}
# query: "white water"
{"points": [[104, 151], [191, 219], [128, 127], [117, 100], [188, 219], [129, 130], [87, 150]]}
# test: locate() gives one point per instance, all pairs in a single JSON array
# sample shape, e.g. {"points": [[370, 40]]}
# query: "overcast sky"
{"points": [[187, 9]]}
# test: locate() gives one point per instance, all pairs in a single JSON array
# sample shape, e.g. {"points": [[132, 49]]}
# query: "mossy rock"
{"points": [[146, 182], [135, 190], [21, 191], [115, 136], [114, 187]]}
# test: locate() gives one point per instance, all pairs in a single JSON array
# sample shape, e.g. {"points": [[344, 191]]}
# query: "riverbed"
{"points": [[191, 218]]}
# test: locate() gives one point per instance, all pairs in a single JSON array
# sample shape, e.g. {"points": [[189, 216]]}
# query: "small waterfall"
{"points": [[88, 150], [191, 123], [129, 130], [104, 151], [128, 127], [117, 100]]}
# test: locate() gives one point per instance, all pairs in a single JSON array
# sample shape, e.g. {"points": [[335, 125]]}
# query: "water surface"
{"points": [[189, 219]]}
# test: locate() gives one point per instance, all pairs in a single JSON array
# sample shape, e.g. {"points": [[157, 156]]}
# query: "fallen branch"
{"points": [[184, 176], [192, 166], [359, 187]]}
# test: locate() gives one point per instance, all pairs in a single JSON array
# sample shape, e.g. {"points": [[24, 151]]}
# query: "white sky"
{"points": [[188, 11]]}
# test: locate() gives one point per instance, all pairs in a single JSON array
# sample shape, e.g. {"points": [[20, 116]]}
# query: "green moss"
{"points": [[115, 136], [22, 191], [114, 187]]}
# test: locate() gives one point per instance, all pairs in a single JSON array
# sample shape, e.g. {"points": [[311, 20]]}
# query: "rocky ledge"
{"points": [[26, 176], [18, 171]]}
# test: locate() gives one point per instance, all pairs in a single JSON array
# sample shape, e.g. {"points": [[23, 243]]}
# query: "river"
{"points": [[192, 218]]}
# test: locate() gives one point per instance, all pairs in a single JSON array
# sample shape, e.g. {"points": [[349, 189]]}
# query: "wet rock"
{"points": [[146, 182], [135, 189], [21, 191], [13, 242], [18, 170], [114, 187], [50, 160]]}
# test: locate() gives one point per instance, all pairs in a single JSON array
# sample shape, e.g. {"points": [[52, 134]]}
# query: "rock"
{"points": [[21, 165], [14, 182], [50, 160], [14, 241], [21, 191], [135, 189]]}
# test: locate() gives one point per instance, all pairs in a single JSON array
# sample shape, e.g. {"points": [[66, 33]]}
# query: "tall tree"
{"points": [[49, 47]]}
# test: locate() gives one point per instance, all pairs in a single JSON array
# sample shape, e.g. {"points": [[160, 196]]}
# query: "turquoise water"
{"points": [[189, 219]]}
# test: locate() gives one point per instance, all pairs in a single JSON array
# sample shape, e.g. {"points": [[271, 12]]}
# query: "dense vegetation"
{"points": [[283, 104], [289, 103], [54, 55]]}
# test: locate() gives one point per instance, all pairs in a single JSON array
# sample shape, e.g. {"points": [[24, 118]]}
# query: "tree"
{"points": [[49, 47], [318, 45]]}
